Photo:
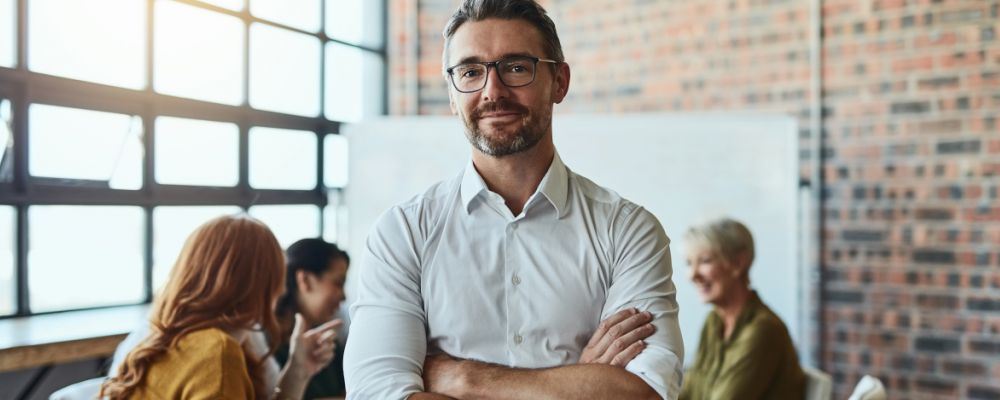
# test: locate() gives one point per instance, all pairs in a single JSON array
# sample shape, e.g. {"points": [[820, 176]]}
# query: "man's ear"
{"points": [[562, 83], [451, 101]]}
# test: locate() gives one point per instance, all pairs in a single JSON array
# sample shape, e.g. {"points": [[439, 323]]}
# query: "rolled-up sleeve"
{"points": [[642, 278], [388, 342]]}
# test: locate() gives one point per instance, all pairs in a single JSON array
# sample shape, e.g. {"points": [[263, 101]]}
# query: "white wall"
{"points": [[683, 168]]}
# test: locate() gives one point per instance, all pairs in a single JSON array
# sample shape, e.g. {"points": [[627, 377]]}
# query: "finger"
{"points": [[325, 337], [299, 324], [610, 341], [605, 325], [323, 352], [623, 358], [637, 334], [328, 326]]}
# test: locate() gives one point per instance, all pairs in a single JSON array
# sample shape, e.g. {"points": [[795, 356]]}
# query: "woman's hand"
{"points": [[313, 349], [308, 352]]}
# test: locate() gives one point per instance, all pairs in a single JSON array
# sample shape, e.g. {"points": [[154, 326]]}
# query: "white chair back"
{"points": [[819, 385], [86, 390]]}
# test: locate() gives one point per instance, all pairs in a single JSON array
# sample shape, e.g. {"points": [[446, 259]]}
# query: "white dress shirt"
{"points": [[453, 269]]}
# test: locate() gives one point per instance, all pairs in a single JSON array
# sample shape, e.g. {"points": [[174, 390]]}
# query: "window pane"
{"points": [[69, 266], [289, 222], [194, 152], [235, 5], [8, 287], [355, 21], [302, 14], [6, 142], [335, 220], [198, 53], [82, 144], [284, 71], [282, 159], [353, 83], [97, 40], [335, 160], [171, 227], [8, 33]]}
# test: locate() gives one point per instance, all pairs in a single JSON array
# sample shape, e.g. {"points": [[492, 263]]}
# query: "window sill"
{"points": [[65, 337]]}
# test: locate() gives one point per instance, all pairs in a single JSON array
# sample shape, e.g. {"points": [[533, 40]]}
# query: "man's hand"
{"points": [[619, 338], [443, 374]]}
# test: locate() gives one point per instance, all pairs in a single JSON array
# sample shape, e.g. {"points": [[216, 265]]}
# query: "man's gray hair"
{"points": [[527, 10]]}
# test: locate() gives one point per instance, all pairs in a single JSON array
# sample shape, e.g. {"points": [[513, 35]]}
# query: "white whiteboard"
{"points": [[683, 168]]}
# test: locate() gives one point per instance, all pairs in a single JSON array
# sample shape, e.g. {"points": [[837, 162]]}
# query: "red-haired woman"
{"points": [[223, 287]]}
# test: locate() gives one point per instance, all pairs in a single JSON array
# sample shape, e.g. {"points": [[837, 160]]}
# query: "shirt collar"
{"points": [[554, 185]]}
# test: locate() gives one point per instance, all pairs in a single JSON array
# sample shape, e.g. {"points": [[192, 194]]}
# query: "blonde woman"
{"points": [[745, 350]]}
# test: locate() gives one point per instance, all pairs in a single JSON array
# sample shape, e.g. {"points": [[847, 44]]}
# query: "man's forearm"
{"points": [[590, 381]]}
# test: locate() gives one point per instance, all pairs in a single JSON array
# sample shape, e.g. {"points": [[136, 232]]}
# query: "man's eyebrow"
{"points": [[476, 59]]}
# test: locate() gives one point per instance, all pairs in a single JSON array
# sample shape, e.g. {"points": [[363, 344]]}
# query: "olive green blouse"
{"points": [[757, 362]]}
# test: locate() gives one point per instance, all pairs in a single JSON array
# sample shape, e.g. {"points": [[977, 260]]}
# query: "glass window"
{"points": [[289, 222], [195, 152], [235, 5], [171, 228], [335, 220], [6, 142], [8, 286], [353, 83], [197, 53], [82, 144], [282, 159], [301, 14], [64, 251], [8, 33], [100, 41], [355, 21], [284, 71], [335, 161]]}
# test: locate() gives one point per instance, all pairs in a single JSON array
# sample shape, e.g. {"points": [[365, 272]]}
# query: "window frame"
{"points": [[23, 87]]}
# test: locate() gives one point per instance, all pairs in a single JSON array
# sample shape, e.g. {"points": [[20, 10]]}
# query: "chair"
{"points": [[869, 388], [86, 390], [819, 385]]}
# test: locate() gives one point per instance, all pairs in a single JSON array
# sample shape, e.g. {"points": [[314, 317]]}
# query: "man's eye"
{"points": [[470, 73]]}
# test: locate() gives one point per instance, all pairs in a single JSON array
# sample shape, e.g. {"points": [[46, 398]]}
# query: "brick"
{"points": [[933, 256], [935, 214], [959, 147], [844, 296], [938, 302], [964, 368], [911, 107], [859, 235], [986, 347], [983, 304], [977, 392]]}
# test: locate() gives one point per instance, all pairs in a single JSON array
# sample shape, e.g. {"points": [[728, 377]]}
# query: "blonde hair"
{"points": [[228, 276], [726, 238]]}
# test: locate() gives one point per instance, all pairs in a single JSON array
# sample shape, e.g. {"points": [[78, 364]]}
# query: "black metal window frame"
{"points": [[23, 87]]}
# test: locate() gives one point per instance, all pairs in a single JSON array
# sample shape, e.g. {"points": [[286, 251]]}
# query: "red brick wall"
{"points": [[910, 93]]}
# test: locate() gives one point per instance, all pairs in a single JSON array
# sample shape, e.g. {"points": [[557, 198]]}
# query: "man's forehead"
{"points": [[494, 38]]}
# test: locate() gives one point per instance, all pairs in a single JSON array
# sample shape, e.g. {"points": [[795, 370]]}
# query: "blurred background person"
{"points": [[745, 351], [314, 287], [222, 289]]}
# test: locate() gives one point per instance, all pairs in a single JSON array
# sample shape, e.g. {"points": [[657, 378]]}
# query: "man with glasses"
{"points": [[490, 284]]}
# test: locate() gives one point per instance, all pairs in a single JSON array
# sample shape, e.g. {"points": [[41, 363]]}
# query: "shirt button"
{"points": [[516, 280], [518, 339]]}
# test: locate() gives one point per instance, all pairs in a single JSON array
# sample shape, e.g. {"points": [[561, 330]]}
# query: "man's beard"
{"points": [[533, 128]]}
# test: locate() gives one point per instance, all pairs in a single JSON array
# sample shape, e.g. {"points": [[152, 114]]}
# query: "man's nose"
{"points": [[494, 89]]}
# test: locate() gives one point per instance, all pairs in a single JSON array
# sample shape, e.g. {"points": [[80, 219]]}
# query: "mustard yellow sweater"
{"points": [[205, 364]]}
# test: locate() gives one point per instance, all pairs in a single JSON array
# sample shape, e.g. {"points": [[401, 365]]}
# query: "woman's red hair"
{"points": [[228, 276]]}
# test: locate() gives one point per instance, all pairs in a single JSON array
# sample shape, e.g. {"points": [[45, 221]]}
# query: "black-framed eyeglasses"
{"points": [[514, 71]]}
